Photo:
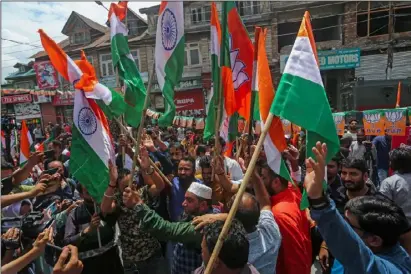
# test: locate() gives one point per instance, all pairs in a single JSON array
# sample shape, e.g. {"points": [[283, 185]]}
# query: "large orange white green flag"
{"points": [[274, 142], [26, 143], [92, 146], [301, 97], [169, 54], [215, 45]]}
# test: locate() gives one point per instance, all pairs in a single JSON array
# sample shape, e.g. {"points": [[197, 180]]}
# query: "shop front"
{"points": [[337, 67], [21, 107], [64, 105], [188, 97]]}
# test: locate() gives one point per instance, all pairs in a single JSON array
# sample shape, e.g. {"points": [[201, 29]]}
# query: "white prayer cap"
{"points": [[200, 190]]}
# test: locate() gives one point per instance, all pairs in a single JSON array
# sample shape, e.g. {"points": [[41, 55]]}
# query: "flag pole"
{"points": [[141, 126], [243, 186], [98, 228], [151, 161]]}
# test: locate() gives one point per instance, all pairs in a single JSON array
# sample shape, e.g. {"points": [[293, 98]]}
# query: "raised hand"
{"points": [[314, 180]]}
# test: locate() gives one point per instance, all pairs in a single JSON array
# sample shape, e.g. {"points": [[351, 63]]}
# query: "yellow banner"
{"points": [[339, 120], [395, 121], [373, 122]]}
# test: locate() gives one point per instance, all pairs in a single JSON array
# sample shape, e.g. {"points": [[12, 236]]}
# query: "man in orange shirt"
{"points": [[295, 251]]}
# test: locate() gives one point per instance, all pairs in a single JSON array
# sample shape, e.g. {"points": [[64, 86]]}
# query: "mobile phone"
{"points": [[49, 153], [6, 185], [52, 207], [51, 171]]}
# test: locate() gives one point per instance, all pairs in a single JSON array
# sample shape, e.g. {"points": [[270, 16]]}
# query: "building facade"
{"points": [[355, 42]]}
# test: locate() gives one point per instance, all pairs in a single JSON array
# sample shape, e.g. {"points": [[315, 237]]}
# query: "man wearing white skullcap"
{"points": [[197, 202]]}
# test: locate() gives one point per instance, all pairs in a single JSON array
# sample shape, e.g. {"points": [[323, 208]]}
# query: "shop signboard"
{"points": [[16, 99], [189, 100], [333, 59], [184, 85], [65, 99], [46, 75], [109, 81], [27, 111]]}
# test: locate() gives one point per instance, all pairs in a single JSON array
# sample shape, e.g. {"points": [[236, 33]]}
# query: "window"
{"points": [[90, 59], [248, 7], [200, 15], [327, 28], [106, 65], [136, 57], [402, 21], [25, 85], [192, 55], [80, 38], [372, 18], [132, 27], [22, 69]]}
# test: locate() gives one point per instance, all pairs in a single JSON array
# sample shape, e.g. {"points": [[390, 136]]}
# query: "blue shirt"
{"points": [[350, 250], [383, 146], [175, 206]]}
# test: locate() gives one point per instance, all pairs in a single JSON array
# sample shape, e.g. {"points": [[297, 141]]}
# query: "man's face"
{"points": [[191, 204], [123, 183], [332, 170], [185, 170], [176, 155], [86, 196], [58, 165], [353, 179], [353, 125], [360, 136], [267, 180], [57, 150], [206, 174]]}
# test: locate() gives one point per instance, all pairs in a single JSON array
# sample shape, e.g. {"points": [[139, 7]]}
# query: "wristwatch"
{"points": [[149, 170], [319, 203]]}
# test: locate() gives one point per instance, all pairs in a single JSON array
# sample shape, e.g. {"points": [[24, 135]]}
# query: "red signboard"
{"points": [[46, 75], [189, 100], [15, 99], [66, 99]]}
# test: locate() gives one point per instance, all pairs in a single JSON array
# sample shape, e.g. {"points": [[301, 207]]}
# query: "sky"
{"points": [[21, 20]]}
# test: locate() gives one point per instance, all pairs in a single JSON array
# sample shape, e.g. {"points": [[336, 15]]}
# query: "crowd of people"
{"points": [[167, 218]]}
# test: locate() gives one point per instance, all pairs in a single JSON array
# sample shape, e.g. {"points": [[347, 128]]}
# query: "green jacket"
{"points": [[182, 232]]}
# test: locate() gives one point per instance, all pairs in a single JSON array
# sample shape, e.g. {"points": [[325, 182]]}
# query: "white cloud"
{"points": [[21, 20]]}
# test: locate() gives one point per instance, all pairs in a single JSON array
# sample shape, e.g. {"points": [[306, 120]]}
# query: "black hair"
{"points": [[336, 159], [79, 188], [273, 175], [200, 149], [191, 160], [353, 120], [234, 252], [400, 159], [205, 161], [178, 146], [122, 173], [379, 216], [359, 164], [248, 216], [57, 143]]}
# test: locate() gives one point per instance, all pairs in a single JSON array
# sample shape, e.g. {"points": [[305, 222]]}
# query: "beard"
{"points": [[354, 186]]}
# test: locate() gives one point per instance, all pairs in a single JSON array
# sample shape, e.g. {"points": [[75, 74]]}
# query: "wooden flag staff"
{"points": [[234, 207], [151, 161]]}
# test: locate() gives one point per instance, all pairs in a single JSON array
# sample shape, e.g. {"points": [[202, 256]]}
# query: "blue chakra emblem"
{"points": [[169, 30], [87, 122]]}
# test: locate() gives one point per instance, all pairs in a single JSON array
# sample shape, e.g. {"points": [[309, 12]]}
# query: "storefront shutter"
{"points": [[372, 67]]}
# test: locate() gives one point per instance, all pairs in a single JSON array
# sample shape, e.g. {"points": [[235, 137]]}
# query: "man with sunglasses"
{"points": [[368, 242]]}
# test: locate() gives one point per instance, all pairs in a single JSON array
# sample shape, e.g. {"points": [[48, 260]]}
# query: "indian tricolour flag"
{"points": [[301, 97], [26, 143], [92, 145], [169, 54], [123, 61], [274, 143], [111, 101], [210, 125]]}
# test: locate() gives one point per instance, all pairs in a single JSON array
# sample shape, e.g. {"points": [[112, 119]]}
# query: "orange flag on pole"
{"points": [[26, 143], [397, 104]]}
